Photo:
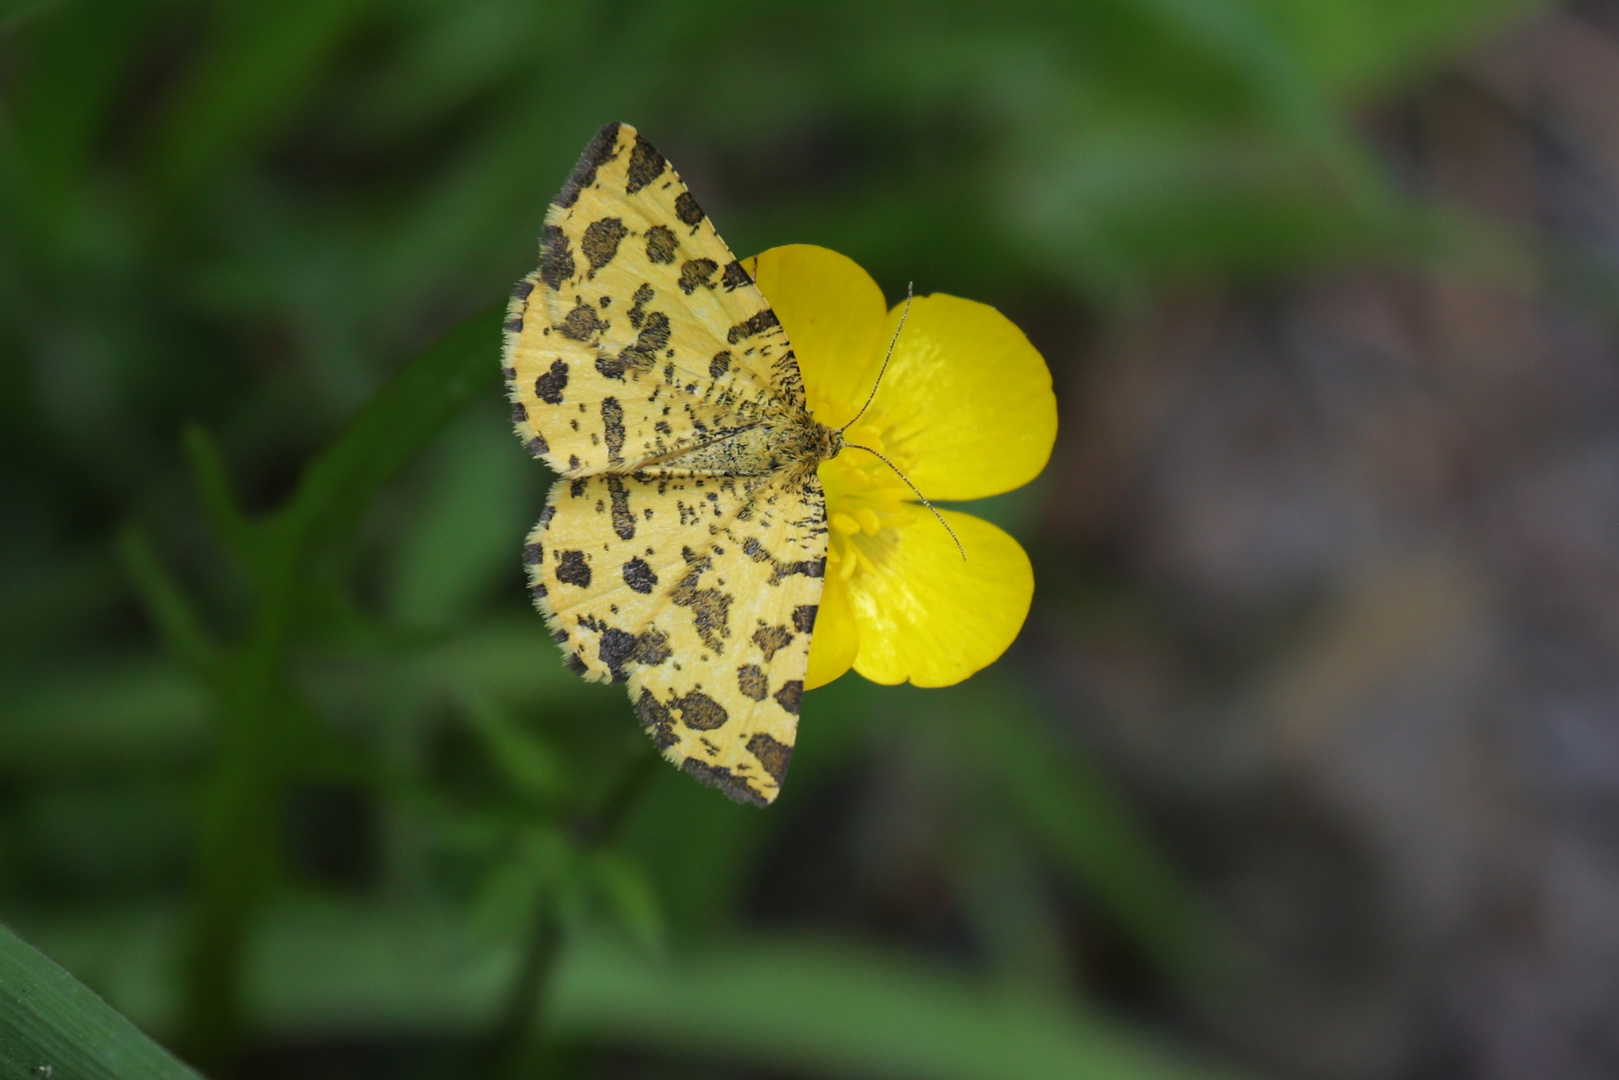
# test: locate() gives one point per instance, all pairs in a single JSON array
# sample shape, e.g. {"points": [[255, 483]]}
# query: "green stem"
{"points": [[237, 856], [238, 851], [506, 1052]]}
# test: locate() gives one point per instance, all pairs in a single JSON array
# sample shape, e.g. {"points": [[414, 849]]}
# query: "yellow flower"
{"points": [[965, 410]]}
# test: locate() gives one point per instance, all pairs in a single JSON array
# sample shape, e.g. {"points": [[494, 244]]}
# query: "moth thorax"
{"points": [[831, 441]]}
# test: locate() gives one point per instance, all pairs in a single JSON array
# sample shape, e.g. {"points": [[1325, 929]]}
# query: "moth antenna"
{"points": [[918, 491], [886, 358]]}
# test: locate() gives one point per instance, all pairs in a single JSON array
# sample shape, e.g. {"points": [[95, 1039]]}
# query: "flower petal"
{"points": [[965, 407], [836, 639], [926, 616], [834, 315]]}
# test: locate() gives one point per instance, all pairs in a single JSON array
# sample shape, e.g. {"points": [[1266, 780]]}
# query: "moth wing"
{"points": [[704, 607], [640, 335]]}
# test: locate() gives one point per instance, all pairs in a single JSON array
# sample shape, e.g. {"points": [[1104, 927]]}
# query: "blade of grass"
{"points": [[392, 428], [238, 857], [212, 479], [166, 603], [830, 1009], [797, 1007], [1068, 806], [53, 1025], [265, 60]]}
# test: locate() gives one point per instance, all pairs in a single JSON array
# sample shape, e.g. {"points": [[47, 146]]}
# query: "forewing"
{"points": [[640, 335], [704, 606]]}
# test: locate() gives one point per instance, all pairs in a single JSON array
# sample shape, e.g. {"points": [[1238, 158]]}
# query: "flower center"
{"points": [[866, 503]]}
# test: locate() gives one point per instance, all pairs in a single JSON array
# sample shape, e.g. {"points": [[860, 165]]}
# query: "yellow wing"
{"points": [[701, 593], [640, 335]]}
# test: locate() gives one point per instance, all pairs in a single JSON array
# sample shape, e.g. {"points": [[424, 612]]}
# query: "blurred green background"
{"points": [[291, 774]]}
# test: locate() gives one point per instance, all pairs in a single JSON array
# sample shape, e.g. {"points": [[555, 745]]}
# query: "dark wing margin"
{"points": [[600, 151]]}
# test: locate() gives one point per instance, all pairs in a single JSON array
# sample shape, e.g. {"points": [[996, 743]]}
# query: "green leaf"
{"points": [[1003, 892], [96, 717], [511, 662], [265, 61], [522, 754], [1355, 45], [480, 496], [629, 896], [393, 427], [791, 1006], [13, 12], [170, 609], [51, 1025], [1066, 805], [821, 1007], [538, 861], [209, 473]]}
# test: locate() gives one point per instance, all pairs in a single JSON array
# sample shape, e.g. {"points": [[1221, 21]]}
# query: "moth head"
{"points": [[831, 442]]}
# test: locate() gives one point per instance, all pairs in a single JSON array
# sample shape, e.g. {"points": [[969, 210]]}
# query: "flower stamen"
{"points": [[918, 492]]}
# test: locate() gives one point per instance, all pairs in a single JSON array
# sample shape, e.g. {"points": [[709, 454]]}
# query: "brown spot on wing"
{"points": [[774, 756], [790, 694], [710, 609], [582, 323], [660, 244], [613, 430], [699, 711], [556, 259], [756, 324], [687, 210], [655, 334], [651, 648], [646, 165], [637, 312], [623, 520], [772, 639], [639, 576], [641, 356], [656, 719], [600, 242], [751, 680], [615, 648], [573, 568], [808, 567], [804, 617], [694, 273], [549, 385]]}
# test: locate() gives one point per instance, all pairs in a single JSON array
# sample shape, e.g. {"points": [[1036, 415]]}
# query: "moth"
{"points": [[683, 549]]}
